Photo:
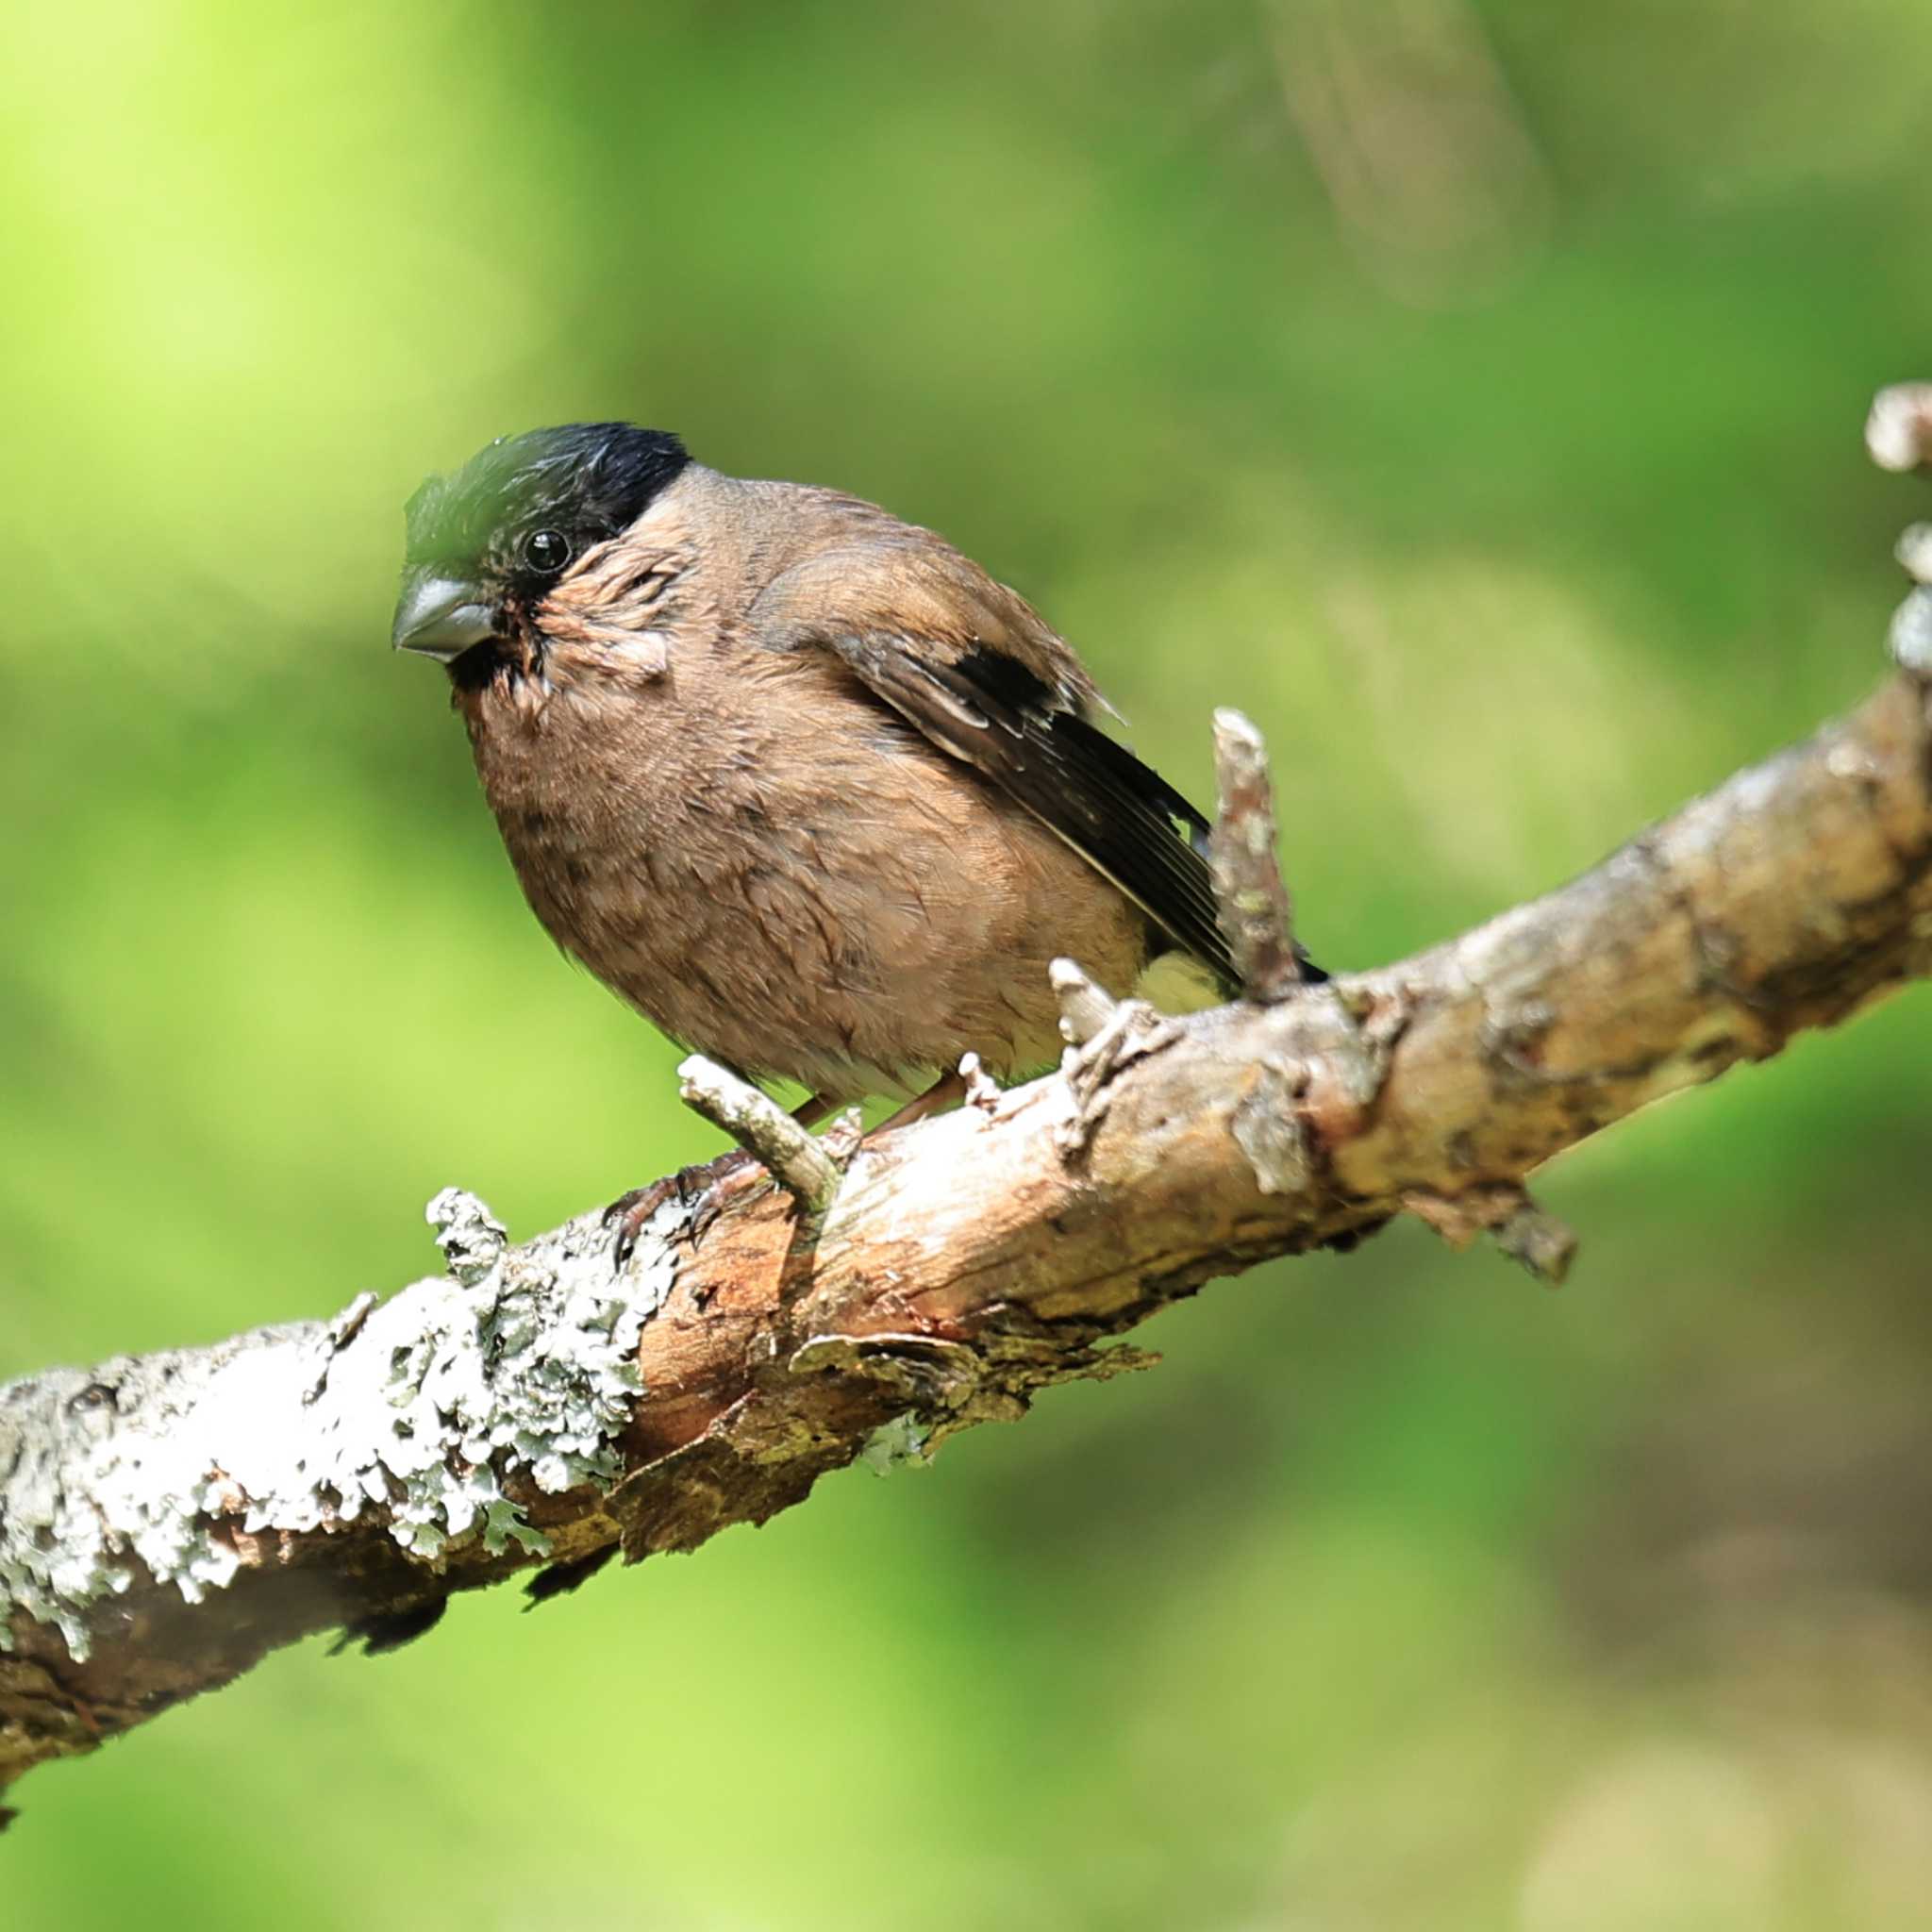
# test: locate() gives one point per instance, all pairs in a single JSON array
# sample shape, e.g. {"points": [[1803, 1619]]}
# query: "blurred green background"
{"points": [[1471, 393]]}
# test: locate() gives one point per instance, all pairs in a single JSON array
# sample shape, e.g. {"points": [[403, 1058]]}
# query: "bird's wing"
{"points": [[975, 670]]}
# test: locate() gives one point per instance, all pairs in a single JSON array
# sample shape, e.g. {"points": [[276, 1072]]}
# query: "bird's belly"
{"points": [[855, 936]]}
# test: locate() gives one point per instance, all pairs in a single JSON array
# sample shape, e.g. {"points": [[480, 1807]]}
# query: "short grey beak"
{"points": [[441, 617]]}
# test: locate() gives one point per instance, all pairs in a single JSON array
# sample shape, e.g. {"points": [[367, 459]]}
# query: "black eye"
{"points": [[547, 551]]}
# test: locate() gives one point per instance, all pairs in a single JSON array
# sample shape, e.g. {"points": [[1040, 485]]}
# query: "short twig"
{"points": [[1503, 1210], [1256, 913], [1539, 1241], [982, 1090], [761, 1128], [1085, 1009]]}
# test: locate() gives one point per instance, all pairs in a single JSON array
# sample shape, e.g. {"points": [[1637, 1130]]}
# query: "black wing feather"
{"points": [[1126, 819]]}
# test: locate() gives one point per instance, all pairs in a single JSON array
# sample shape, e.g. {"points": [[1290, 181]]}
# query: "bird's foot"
{"points": [[703, 1190]]}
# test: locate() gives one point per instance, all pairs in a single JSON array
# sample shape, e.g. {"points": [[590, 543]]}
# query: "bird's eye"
{"points": [[547, 551]]}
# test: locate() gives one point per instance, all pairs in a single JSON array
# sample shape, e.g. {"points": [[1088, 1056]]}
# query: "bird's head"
{"points": [[488, 544]]}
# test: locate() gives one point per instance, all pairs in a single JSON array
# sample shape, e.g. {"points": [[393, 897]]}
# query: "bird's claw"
{"points": [[702, 1190]]}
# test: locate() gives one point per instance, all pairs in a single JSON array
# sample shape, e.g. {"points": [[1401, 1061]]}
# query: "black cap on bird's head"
{"points": [[513, 519]]}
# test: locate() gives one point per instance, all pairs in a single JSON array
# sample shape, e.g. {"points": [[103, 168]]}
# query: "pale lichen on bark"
{"points": [[173, 1467]]}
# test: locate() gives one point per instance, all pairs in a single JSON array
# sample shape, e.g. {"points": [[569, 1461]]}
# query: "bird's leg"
{"points": [[948, 1090], [703, 1189], [707, 1187]]}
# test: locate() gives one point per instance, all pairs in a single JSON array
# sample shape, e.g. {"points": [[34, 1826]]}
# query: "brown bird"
{"points": [[798, 780]]}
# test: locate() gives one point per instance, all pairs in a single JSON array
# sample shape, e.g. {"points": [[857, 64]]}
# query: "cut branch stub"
{"points": [[1256, 913]]}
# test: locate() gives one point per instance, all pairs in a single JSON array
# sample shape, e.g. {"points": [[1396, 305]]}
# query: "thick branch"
{"points": [[165, 1521]]}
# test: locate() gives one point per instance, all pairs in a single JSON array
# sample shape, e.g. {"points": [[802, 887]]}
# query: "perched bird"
{"points": [[798, 780]]}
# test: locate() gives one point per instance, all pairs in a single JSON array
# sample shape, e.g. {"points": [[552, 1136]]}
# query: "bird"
{"points": [[799, 780]]}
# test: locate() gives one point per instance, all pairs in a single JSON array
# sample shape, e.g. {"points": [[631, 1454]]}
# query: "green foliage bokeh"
{"points": [[1471, 393]]}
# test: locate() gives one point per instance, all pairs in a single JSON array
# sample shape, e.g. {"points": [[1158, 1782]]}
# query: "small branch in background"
{"points": [[790, 1153], [1256, 914], [1898, 432], [1898, 436], [1438, 185], [1914, 552]]}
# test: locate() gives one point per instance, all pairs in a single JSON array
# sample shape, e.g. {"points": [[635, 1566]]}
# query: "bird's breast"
{"points": [[782, 874]]}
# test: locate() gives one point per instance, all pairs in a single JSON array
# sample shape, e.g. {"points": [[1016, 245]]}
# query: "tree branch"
{"points": [[166, 1521]]}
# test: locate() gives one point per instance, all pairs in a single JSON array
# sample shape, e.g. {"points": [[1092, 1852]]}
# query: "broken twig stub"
{"points": [[1085, 1007], [791, 1155]]}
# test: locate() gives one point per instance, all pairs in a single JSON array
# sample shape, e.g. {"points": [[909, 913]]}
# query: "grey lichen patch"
{"points": [[471, 1239], [1269, 1131], [417, 1410], [1373, 1019]]}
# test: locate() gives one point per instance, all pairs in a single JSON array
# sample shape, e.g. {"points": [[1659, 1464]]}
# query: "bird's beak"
{"points": [[441, 617]]}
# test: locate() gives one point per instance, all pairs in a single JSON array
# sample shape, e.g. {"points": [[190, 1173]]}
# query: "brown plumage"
{"points": [[797, 780]]}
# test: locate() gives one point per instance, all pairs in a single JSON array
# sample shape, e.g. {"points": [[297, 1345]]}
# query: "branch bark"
{"points": [[168, 1519]]}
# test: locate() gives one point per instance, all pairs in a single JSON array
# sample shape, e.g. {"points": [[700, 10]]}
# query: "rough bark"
{"points": [[166, 1521]]}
